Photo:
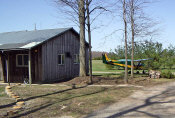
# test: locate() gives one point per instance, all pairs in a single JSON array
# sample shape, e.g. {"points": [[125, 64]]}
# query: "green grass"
{"points": [[1, 89], [109, 75], [97, 65], [2, 93]]}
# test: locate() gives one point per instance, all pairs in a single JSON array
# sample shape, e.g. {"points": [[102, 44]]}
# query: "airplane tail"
{"points": [[105, 59]]}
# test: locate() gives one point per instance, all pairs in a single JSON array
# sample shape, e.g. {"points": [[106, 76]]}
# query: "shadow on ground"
{"points": [[153, 107]]}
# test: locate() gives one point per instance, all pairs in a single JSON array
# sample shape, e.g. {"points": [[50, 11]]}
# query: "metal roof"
{"points": [[27, 39], [11, 46]]}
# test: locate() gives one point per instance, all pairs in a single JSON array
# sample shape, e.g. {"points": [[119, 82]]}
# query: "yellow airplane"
{"points": [[121, 62]]}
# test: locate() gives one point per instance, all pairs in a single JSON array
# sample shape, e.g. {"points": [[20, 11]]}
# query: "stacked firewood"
{"points": [[154, 74]]}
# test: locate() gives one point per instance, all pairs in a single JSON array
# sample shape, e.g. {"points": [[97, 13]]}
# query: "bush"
{"points": [[167, 74]]}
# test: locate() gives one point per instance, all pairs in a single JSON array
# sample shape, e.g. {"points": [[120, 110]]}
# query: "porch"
{"points": [[20, 65]]}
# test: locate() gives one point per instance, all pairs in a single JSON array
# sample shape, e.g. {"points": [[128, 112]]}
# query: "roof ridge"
{"points": [[34, 30]]}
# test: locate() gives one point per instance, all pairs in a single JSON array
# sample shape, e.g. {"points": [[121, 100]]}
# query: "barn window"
{"points": [[68, 54], [61, 59], [25, 57], [22, 60], [76, 58]]}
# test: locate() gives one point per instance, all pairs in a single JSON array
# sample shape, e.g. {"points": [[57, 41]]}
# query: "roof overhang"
{"points": [[18, 46]]}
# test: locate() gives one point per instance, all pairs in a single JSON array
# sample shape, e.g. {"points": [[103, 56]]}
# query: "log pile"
{"points": [[154, 74]]}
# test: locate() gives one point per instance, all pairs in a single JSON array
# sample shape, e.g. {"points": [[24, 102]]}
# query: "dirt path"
{"points": [[154, 102]]}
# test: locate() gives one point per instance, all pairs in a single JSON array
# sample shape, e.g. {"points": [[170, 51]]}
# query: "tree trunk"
{"points": [[89, 38], [126, 57], [132, 28], [82, 38]]}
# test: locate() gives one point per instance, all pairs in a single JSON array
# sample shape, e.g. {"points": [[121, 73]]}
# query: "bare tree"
{"points": [[81, 6], [141, 25], [121, 5], [133, 32], [89, 22], [125, 36], [89, 38]]}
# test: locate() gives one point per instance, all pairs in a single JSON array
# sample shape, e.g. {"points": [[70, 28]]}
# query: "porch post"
{"points": [[1, 69], [7, 67], [29, 67]]}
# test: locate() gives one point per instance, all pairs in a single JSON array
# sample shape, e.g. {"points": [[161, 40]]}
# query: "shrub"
{"points": [[167, 74]]}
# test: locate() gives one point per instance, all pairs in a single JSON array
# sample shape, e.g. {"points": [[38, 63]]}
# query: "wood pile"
{"points": [[154, 74]]}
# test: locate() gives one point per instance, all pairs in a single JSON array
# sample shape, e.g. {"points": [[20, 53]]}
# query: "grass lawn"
{"points": [[55, 101], [2, 91], [97, 65]]}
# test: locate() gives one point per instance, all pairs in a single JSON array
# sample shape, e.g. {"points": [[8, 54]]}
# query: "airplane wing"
{"points": [[124, 60], [129, 60], [142, 60]]}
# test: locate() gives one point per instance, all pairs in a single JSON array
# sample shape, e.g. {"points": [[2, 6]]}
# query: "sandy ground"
{"points": [[153, 102]]}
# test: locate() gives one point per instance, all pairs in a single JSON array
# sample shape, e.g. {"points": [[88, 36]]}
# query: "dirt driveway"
{"points": [[154, 102]]}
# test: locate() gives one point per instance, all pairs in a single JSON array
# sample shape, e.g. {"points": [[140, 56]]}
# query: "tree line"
{"points": [[160, 58]]}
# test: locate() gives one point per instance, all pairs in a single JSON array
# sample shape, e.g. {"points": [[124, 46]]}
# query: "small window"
{"points": [[19, 59], [26, 59], [61, 59], [76, 58], [22, 60], [68, 54]]}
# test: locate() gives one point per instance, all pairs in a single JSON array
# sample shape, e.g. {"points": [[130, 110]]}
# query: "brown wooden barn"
{"points": [[40, 56]]}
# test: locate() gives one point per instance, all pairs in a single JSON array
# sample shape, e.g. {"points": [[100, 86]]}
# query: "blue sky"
{"points": [[18, 15]]}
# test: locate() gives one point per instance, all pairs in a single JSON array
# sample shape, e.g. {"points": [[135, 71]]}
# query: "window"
{"points": [[76, 58], [22, 60], [68, 54], [61, 59], [25, 58]]}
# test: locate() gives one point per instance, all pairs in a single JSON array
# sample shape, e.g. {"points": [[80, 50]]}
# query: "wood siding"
{"points": [[16, 74], [36, 64], [65, 43]]}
